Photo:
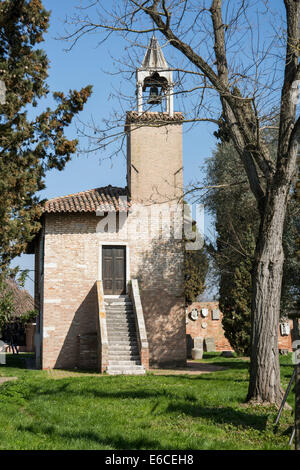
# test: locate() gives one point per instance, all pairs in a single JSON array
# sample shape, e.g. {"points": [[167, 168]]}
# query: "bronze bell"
{"points": [[154, 96]]}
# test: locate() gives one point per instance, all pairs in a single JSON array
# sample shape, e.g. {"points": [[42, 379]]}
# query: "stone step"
{"points": [[124, 319], [124, 356], [118, 311], [121, 351], [123, 347], [119, 316], [128, 336], [116, 306], [121, 357], [118, 303], [119, 327], [121, 332], [123, 366], [126, 371], [119, 343], [123, 306], [122, 342], [124, 363]]}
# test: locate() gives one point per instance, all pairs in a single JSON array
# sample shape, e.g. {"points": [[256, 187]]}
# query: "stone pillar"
{"points": [[140, 98]]}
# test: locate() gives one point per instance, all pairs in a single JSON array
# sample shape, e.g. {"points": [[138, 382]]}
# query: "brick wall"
{"points": [[215, 330], [71, 268]]}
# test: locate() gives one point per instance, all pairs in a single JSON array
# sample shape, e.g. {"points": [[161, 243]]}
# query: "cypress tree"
{"points": [[196, 267], [28, 146]]}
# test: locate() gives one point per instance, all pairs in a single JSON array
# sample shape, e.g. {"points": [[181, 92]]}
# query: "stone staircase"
{"points": [[124, 357]]}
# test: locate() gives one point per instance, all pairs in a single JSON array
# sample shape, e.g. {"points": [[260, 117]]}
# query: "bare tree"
{"points": [[227, 56]]}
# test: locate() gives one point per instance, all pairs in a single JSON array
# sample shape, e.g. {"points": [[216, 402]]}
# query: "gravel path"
{"points": [[7, 379], [193, 368]]}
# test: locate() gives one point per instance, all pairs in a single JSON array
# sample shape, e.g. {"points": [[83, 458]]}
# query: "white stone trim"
{"points": [[115, 243], [52, 301], [46, 330], [50, 265]]}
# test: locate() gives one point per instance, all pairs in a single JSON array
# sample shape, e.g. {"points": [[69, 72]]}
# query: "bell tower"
{"points": [[154, 135], [156, 75]]}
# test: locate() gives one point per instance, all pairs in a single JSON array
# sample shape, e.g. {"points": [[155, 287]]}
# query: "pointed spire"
{"points": [[154, 58]]}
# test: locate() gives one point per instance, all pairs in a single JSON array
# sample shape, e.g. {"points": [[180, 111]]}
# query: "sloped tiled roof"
{"points": [[106, 199], [22, 300], [153, 117]]}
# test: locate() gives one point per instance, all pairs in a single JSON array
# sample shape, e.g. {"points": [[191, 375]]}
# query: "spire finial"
{"points": [[154, 57]]}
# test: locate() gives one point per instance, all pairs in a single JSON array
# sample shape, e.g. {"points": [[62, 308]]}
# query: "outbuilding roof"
{"points": [[23, 301], [106, 199]]}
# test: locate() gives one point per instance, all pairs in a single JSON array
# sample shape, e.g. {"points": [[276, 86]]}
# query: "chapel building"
{"points": [[109, 277]]}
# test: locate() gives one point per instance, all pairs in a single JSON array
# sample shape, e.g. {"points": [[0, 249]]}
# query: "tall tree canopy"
{"points": [[233, 206], [240, 75], [28, 147]]}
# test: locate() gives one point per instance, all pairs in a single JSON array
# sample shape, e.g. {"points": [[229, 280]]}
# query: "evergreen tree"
{"points": [[28, 147], [235, 300], [196, 267]]}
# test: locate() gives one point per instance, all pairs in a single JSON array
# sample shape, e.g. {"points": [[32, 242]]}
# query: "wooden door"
{"points": [[114, 269]]}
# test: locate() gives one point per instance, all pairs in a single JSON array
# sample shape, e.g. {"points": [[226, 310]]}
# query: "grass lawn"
{"points": [[152, 412]]}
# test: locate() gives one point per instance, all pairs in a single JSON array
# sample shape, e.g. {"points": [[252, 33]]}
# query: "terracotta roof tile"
{"points": [[157, 118], [106, 199]]}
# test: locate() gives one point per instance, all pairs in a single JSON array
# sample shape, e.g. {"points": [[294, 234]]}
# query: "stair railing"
{"points": [[101, 329], [134, 294]]}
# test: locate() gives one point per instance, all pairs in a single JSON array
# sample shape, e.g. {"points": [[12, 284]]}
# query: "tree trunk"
{"points": [[264, 385]]}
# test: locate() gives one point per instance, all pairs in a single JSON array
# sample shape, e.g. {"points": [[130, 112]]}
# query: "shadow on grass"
{"points": [[221, 415], [117, 442], [231, 364], [174, 403], [65, 388]]}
